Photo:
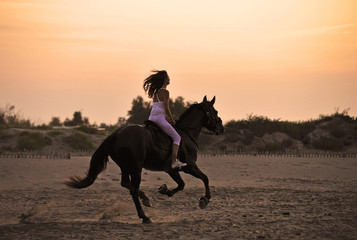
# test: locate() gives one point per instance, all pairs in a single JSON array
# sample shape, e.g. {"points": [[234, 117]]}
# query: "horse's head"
{"points": [[212, 122]]}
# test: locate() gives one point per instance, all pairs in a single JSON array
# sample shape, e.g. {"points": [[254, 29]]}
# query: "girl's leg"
{"points": [[167, 128], [175, 162]]}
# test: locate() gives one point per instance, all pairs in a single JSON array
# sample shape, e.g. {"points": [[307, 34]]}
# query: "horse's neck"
{"points": [[192, 124]]}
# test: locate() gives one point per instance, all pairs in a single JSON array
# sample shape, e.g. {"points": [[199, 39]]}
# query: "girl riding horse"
{"points": [[155, 85]]}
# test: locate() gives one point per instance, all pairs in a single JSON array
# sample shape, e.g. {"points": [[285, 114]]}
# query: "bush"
{"points": [[306, 140], [248, 138], [222, 148], [79, 141], [54, 133], [6, 148], [43, 127], [329, 144], [354, 134], [347, 143], [33, 141], [259, 125], [4, 135], [10, 118], [273, 147], [232, 137], [337, 114], [287, 143], [337, 132], [87, 129], [298, 130]]}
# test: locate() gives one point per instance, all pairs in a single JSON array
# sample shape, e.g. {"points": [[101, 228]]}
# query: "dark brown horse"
{"points": [[134, 148]]}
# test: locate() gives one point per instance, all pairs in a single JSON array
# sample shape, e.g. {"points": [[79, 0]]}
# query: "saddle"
{"points": [[161, 139]]}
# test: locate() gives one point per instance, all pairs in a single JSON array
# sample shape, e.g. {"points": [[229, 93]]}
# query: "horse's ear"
{"points": [[213, 100], [205, 99]]}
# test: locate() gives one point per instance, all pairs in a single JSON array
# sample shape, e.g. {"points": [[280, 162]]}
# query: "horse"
{"points": [[134, 147]]}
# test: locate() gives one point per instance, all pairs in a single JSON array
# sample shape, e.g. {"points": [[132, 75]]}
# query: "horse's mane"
{"points": [[187, 111]]}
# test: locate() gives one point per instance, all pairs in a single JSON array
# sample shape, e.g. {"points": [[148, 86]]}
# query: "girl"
{"points": [[155, 85]]}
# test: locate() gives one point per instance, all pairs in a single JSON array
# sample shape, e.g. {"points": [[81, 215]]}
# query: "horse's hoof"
{"points": [[147, 202], [203, 202], [163, 189], [146, 220]]}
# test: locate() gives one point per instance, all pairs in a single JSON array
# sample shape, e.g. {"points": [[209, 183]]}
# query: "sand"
{"points": [[252, 198]]}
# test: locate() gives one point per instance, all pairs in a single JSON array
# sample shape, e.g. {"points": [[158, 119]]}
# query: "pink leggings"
{"points": [[166, 127]]}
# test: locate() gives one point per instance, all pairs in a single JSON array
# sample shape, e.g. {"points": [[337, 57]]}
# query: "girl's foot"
{"points": [[178, 164]]}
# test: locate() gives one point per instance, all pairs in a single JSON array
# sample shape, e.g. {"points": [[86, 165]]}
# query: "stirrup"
{"points": [[178, 164]]}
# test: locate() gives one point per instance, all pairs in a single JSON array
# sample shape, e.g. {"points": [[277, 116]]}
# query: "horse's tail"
{"points": [[97, 164]]}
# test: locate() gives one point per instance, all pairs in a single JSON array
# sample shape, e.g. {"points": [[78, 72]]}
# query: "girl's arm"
{"points": [[166, 98]]}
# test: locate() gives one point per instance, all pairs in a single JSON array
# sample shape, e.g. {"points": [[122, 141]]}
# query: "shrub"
{"points": [[287, 143], [337, 132], [354, 134], [87, 129], [299, 130], [327, 143], [248, 138], [306, 140], [54, 133], [337, 114], [4, 135], [7, 148], [42, 127], [232, 138], [33, 141], [10, 118], [273, 147], [347, 143], [78, 141], [222, 148], [259, 125]]}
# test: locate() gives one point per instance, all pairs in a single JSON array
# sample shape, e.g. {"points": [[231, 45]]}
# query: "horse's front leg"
{"points": [[196, 172], [175, 175]]}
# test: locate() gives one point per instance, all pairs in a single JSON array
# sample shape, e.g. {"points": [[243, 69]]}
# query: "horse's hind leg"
{"points": [[175, 175], [196, 172], [134, 191], [125, 182]]}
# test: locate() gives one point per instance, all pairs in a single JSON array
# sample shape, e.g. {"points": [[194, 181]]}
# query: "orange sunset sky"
{"points": [[288, 59]]}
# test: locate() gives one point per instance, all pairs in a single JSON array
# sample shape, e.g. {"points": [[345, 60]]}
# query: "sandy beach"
{"points": [[252, 198]]}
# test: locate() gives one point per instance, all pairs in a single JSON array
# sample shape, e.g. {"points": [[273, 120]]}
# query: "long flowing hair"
{"points": [[154, 82]]}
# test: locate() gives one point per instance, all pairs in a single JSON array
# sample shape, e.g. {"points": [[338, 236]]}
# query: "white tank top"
{"points": [[157, 107]]}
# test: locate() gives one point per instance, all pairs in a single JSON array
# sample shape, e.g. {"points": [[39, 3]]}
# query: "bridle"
{"points": [[212, 122], [212, 119]]}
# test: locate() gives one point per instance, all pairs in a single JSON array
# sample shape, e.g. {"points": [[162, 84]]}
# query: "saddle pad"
{"points": [[161, 139]]}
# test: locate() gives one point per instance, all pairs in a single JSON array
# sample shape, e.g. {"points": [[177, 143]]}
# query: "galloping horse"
{"points": [[134, 147]]}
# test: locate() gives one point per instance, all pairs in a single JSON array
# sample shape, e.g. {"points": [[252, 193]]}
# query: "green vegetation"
{"points": [[54, 133], [79, 141], [332, 132], [336, 127], [260, 125], [33, 141], [11, 119], [87, 129], [329, 144]]}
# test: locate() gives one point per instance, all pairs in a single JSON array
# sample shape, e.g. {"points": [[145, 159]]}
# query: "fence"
{"points": [[283, 154], [39, 155], [68, 155]]}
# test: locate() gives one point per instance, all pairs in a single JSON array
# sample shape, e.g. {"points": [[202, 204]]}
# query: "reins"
{"points": [[187, 129]]}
